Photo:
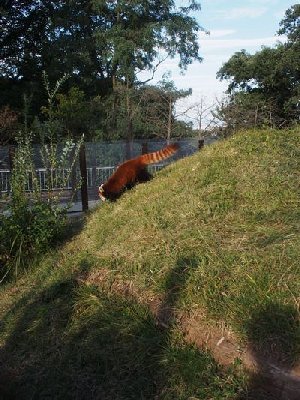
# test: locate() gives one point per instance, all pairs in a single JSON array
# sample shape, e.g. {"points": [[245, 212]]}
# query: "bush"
{"points": [[29, 226], [29, 230]]}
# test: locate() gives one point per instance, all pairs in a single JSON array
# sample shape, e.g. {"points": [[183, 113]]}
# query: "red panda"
{"points": [[132, 172]]}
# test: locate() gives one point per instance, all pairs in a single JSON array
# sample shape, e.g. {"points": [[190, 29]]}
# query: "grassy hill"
{"points": [[146, 300]]}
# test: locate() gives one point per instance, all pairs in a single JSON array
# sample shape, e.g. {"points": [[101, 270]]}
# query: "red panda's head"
{"points": [[101, 193]]}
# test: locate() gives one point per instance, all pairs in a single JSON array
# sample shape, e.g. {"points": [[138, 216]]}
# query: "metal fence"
{"points": [[101, 161], [94, 175], [4, 180]]}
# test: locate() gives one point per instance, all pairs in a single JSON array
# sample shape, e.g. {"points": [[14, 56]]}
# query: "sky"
{"points": [[233, 25]]}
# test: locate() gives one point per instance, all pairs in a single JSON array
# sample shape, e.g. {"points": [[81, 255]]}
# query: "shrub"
{"points": [[26, 232], [29, 225]]}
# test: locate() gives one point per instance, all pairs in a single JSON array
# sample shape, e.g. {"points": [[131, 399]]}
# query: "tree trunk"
{"points": [[129, 125], [169, 128], [83, 173]]}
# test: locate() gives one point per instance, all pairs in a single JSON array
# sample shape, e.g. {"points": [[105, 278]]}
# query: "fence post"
{"points": [[11, 156], [200, 144], [74, 183], [83, 173], [128, 149], [144, 147]]}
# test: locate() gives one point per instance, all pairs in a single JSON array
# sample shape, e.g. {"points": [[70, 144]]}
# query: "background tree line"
{"points": [[264, 88], [102, 46]]}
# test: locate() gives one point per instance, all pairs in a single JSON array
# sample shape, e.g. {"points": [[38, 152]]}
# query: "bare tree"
{"points": [[202, 114], [162, 111], [245, 111]]}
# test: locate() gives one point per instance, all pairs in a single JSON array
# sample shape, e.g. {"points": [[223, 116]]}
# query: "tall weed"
{"points": [[29, 224], [32, 222]]}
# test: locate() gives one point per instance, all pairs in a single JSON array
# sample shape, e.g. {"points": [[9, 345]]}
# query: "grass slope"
{"points": [[216, 233]]}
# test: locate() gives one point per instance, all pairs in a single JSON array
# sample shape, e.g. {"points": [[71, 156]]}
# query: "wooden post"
{"points": [[200, 144], [11, 156], [83, 173], [169, 126], [145, 148], [74, 184], [128, 149]]}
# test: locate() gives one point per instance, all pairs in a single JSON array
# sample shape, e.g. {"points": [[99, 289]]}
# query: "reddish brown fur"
{"points": [[133, 171]]}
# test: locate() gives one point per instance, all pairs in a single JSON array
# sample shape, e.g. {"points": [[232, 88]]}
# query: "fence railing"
{"points": [[4, 180], [95, 176], [95, 164]]}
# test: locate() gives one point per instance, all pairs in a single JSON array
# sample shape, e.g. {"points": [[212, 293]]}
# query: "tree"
{"points": [[158, 108], [290, 25], [97, 42], [268, 79], [243, 110], [203, 115], [8, 125], [146, 111]]}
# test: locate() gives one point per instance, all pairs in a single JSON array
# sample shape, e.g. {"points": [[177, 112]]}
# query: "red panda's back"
{"points": [[133, 171], [125, 174]]}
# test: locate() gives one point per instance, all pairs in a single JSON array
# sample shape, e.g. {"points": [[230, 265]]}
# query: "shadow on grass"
{"points": [[74, 225], [274, 336], [75, 341], [174, 284]]}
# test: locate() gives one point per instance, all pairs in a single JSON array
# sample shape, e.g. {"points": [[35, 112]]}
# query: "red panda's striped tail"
{"points": [[160, 155]]}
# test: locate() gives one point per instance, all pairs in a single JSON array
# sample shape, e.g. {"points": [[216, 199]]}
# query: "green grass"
{"points": [[216, 233]]}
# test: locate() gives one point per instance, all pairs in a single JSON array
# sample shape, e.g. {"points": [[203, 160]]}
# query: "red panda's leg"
{"points": [[144, 176]]}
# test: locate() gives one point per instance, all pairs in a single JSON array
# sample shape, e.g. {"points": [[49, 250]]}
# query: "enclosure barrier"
{"points": [[95, 164]]}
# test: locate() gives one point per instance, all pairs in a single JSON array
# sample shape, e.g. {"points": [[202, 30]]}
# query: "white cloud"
{"points": [[207, 44], [279, 14], [265, 2], [217, 33], [241, 12]]}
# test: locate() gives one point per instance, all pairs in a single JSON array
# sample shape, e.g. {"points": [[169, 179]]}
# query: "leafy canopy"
{"points": [[271, 73], [93, 40]]}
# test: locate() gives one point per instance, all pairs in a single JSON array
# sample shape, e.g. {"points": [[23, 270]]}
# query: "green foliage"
{"points": [[59, 159], [94, 41], [72, 111], [147, 111], [8, 124], [28, 227], [32, 222], [241, 111], [75, 114], [290, 24], [270, 77]]}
